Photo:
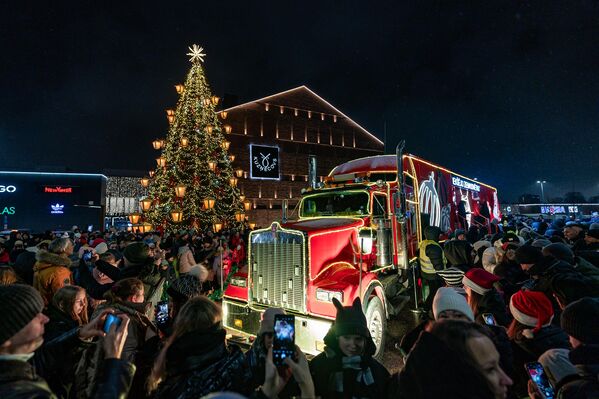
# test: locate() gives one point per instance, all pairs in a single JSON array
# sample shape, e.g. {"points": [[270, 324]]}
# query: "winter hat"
{"points": [[267, 324], [200, 272], [560, 251], [448, 299], [136, 252], [510, 237], [19, 304], [593, 233], [459, 232], [101, 248], [541, 242], [477, 246], [452, 276], [579, 320], [533, 309], [489, 262], [184, 288], [528, 254], [350, 320], [96, 242], [594, 226], [479, 280], [557, 365]]}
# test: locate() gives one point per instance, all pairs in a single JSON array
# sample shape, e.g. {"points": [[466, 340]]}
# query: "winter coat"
{"points": [[24, 265], [5, 258], [586, 268], [586, 360], [590, 253], [185, 259], [200, 362], [338, 376], [50, 273], [458, 253], [433, 370], [492, 302]]}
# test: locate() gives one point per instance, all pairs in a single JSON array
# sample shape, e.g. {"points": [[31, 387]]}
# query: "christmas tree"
{"points": [[193, 185]]}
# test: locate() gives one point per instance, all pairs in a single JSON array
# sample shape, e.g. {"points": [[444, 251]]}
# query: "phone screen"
{"points": [[538, 376], [162, 312], [110, 320], [87, 255], [489, 319], [284, 338]]}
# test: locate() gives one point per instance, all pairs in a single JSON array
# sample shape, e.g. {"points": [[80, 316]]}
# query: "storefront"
{"points": [[51, 201]]}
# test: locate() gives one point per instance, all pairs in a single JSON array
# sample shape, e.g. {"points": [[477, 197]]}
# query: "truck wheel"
{"points": [[377, 324]]}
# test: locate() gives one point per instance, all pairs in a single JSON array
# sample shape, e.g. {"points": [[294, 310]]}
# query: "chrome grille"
{"points": [[277, 269]]}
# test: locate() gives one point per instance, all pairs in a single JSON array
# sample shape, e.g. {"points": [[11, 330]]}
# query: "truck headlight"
{"points": [[327, 296], [239, 282]]}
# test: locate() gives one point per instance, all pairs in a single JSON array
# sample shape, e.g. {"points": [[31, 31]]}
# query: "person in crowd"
{"points": [[483, 298], [207, 252], [17, 250], [4, 255], [26, 260], [478, 248], [24, 360], [196, 359], [508, 268], [558, 368], [431, 260], [590, 251], [488, 259], [52, 268], [7, 275], [180, 291], [463, 347], [574, 234], [185, 259], [346, 367], [563, 252]]}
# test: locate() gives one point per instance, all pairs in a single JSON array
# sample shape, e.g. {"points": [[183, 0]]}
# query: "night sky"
{"points": [[505, 91]]}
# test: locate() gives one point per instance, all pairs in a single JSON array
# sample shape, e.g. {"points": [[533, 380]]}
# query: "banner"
{"points": [[264, 162]]}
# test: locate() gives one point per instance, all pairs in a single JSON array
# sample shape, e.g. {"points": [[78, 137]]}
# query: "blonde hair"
{"points": [[7, 275], [64, 300], [198, 314]]}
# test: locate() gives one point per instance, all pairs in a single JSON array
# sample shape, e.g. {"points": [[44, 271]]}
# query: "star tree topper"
{"points": [[196, 53]]}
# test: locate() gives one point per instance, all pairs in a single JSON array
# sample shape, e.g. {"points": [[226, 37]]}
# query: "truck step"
{"points": [[396, 304]]}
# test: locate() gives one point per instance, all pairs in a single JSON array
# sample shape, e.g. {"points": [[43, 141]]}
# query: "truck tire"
{"points": [[377, 324]]}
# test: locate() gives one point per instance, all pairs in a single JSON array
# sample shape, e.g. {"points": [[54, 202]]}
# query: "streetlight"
{"points": [[541, 182]]}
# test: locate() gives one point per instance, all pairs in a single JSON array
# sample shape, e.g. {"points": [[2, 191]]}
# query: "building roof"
{"points": [[304, 100]]}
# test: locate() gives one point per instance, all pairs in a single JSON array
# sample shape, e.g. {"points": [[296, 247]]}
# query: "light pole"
{"points": [[541, 182]]}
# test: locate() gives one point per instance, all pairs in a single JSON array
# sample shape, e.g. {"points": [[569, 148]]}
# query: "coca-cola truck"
{"points": [[356, 235]]}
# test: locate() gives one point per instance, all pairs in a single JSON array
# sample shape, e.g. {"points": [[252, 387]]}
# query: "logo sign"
{"points": [[264, 162], [7, 189], [7, 210], [462, 183], [552, 210], [58, 190], [57, 209]]}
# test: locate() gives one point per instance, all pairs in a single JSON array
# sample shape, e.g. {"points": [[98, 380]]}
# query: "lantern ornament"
{"points": [[177, 215], [157, 144], [162, 143], [206, 102], [180, 88], [151, 173], [145, 227], [252, 226], [233, 181], [228, 129], [215, 100], [223, 114], [239, 217], [217, 227], [209, 129], [184, 141], [209, 203], [145, 182], [170, 112], [134, 218], [161, 162], [145, 204], [180, 190], [212, 165], [247, 205], [225, 145], [231, 157], [239, 173], [241, 197]]}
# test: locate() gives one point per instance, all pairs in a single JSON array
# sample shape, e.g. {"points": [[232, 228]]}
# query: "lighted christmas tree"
{"points": [[193, 184]]}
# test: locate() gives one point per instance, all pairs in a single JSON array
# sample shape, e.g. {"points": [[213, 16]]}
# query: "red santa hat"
{"points": [[479, 280], [533, 309]]}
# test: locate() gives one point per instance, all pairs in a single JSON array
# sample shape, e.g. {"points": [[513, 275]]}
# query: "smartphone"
{"points": [[110, 320], [87, 255], [539, 377], [283, 345], [162, 313], [489, 319]]}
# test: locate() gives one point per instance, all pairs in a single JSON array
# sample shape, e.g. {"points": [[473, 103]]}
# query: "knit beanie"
{"points": [[452, 276], [184, 288], [528, 255], [136, 253], [199, 271], [448, 299], [479, 280], [593, 233], [559, 251], [489, 262], [267, 324], [19, 304], [101, 248], [532, 309], [350, 320], [579, 320], [541, 242]]}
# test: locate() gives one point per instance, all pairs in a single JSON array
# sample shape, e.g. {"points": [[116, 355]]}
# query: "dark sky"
{"points": [[506, 91]]}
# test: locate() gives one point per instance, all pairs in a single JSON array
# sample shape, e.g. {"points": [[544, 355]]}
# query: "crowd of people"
{"points": [[83, 317]]}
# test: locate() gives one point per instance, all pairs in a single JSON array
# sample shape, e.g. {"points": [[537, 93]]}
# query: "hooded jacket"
{"points": [[50, 273], [586, 360]]}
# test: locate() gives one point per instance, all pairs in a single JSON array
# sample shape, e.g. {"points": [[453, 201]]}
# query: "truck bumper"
{"points": [[243, 322]]}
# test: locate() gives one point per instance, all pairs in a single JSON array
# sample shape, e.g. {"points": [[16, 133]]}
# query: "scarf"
{"points": [[348, 365]]}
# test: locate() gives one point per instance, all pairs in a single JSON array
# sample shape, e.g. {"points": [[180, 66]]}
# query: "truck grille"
{"points": [[277, 269]]}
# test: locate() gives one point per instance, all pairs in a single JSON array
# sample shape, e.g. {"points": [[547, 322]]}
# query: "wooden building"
{"points": [[272, 138]]}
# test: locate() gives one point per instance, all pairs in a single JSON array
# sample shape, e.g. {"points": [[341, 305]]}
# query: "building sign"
{"points": [[7, 189], [552, 210], [7, 210], [462, 183], [57, 209], [264, 162], [58, 190]]}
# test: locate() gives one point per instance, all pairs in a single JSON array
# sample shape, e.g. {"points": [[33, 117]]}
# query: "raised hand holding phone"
{"points": [[539, 378], [283, 338]]}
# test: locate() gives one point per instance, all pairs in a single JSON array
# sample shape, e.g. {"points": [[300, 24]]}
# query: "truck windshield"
{"points": [[335, 204]]}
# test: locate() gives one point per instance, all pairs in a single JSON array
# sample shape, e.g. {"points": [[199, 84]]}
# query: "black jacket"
{"points": [[492, 302], [24, 266], [586, 360]]}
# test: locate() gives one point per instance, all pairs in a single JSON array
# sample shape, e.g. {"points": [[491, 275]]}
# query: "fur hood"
{"points": [[48, 259]]}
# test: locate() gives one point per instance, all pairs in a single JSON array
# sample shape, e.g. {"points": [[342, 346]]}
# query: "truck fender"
{"points": [[375, 287]]}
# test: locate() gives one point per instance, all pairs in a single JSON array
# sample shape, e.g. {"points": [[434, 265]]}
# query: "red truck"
{"points": [[357, 235]]}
